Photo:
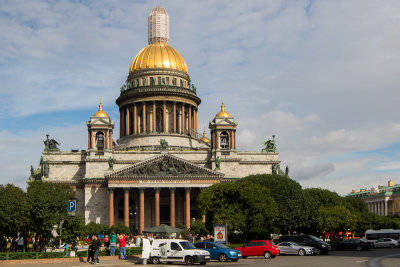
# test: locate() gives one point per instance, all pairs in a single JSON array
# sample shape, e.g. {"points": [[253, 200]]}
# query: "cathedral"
{"points": [[157, 167]]}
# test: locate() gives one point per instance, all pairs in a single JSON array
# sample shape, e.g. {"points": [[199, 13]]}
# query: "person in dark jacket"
{"points": [[96, 247], [90, 257]]}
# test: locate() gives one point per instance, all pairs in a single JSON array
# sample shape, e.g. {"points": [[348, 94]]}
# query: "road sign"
{"points": [[71, 205]]}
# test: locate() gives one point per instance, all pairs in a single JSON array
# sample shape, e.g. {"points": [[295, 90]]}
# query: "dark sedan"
{"points": [[356, 244]]}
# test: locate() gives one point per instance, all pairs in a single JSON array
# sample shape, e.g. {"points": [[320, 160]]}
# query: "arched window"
{"points": [[140, 121], [100, 141], [159, 120], [224, 138]]}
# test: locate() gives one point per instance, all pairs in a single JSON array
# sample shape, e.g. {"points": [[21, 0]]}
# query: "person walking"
{"points": [[122, 245], [20, 244], [113, 243], [90, 257], [96, 247]]}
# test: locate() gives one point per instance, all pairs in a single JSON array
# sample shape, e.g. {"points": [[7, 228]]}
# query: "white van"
{"points": [[177, 250]]}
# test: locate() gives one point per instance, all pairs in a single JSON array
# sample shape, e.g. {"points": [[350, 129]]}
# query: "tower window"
{"points": [[100, 141], [181, 82], [152, 81], [143, 81], [173, 81], [224, 137], [167, 80], [159, 80]]}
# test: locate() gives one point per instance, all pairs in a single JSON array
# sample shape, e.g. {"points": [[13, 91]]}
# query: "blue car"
{"points": [[219, 251]]}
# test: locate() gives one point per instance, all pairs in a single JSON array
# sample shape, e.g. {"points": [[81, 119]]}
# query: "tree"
{"points": [[93, 228], [198, 227], [242, 205], [47, 204], [13, 210], [289, 196], [120, 229], [73, 227], [336, 219]]}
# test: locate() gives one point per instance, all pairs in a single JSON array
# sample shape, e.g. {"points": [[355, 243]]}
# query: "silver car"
{"points": [[294, 248], [386, 243]]}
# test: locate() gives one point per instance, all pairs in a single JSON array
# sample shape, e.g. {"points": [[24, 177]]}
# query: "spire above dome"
{"points": [[158, 28], [100, 112]]}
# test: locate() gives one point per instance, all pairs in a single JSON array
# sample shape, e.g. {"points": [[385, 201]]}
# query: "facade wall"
{"points": [[96, 204]]}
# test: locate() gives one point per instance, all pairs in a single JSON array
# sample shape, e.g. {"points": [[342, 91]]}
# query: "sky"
{"points": [[323, 76]]}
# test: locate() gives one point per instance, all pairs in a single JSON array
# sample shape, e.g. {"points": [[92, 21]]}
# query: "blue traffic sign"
{"points": [[71, 205]]}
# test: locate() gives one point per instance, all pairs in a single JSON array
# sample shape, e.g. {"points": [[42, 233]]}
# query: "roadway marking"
{"points": [[376, 262]]}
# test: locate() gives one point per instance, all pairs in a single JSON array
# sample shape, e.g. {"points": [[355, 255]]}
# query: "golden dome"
{"points": [[223, 113], [100, 112], [158, 56], [205, 139]]}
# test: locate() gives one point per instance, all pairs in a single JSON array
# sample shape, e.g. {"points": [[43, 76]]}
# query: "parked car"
{"points": [[219, 251], [357, 244], [177, 250], [294, 248], [307, 240], [386, 243], [264, 248]]}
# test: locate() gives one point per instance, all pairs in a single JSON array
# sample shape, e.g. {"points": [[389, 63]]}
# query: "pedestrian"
{"points": [[113, 242], [96, 247], [20, 244], [90, 257], [138, 240], [122, 245]]}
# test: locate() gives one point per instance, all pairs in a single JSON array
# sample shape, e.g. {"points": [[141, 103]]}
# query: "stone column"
{"points": [[156, 206], [128, 121], [106, 140], [183, 119], [154, 117], [165, 117], [111, 140], [123, 122], [141, 207], [187, 207], [93, 141], [386, 207], [172, 207], [89, 145], [195, 119], [190, 119], [216, 139], [174, 116], [144, 117], [135, 128], [110, 207], [234, 136], [231, 140], [120, 122], [126, 207]]}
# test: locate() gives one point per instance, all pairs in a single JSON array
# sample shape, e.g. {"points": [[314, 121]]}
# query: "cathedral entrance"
{"points": [[132, 212]]}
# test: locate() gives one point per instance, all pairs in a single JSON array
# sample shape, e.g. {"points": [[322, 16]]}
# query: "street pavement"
{"points": [[371, 258]]}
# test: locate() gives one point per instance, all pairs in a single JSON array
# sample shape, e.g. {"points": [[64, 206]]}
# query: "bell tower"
{"points": [[100, 130], [223, 132]]}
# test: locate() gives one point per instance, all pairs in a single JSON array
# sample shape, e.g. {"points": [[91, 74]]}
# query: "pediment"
{"points": [[225, 121], [99, 121], [164, 166]]}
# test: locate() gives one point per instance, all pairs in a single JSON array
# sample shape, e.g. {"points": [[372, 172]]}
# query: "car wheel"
{"points": [[222, 257], [155, 260], [359, 248], [302, 252], [267, 254], [189, 260], [391, 246]]}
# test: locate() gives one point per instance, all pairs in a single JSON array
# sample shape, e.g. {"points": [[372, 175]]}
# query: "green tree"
{"points": [[13, 210], [242, 205], [336, 219], [93, 228], [120, 229], [289, 196], [73, 227], [47, 204], [198, 227]]}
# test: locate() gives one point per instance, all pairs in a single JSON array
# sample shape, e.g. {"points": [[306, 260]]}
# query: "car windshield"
{"points": [[187, 245], [314, 238], [222, 246], [295, 244]]}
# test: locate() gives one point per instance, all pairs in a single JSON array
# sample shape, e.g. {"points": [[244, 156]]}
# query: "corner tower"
{"points": [[158, 100]]}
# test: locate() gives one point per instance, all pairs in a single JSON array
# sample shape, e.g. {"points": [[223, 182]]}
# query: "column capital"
{"points": [[142, 189], [157, 189], [126, 190], [172, 189], [110, 190], [188, 189]]}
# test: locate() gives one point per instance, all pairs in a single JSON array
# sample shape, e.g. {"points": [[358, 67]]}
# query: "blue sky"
{"points": [[321, 75]]}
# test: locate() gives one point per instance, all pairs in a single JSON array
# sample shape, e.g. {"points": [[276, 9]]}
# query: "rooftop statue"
{"points": [[287, 171], [164, 144], [270, 145], [217, 163], [110, 163], [50, 144]]}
